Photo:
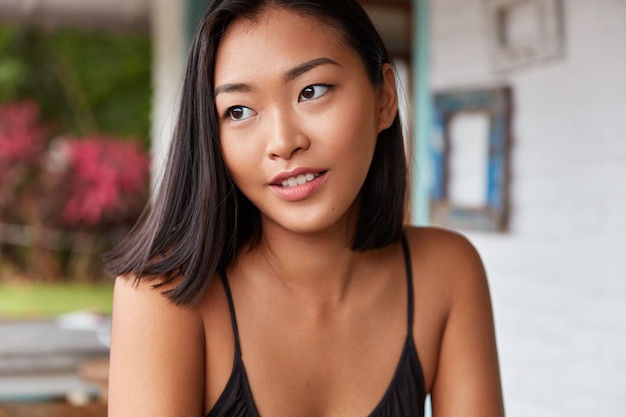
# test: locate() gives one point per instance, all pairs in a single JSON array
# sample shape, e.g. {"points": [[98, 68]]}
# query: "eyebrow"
{"points": [[290, 75], [294, 73]]}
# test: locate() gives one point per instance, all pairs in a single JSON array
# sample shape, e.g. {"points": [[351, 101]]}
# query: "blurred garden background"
{"points": [[88, 89], [74, 162]]}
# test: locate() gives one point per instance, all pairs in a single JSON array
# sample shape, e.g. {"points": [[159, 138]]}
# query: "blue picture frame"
{"points": [[496, 103]]}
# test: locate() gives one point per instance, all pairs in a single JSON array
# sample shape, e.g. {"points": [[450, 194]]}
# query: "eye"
{"points": [[239, 113], [313, 91]]}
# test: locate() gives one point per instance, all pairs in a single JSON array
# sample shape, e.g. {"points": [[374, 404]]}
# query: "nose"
{"points": [[286, 136]]}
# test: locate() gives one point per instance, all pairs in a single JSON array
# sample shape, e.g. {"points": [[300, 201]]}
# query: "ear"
{"points": [[387, 98]]}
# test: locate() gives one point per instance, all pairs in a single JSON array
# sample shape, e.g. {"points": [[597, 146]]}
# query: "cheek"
{"points": [[351, 131], [233, 165], [240, 156]]}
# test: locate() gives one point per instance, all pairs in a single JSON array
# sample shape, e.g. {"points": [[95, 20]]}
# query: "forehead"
{"points": [[274, 40]]}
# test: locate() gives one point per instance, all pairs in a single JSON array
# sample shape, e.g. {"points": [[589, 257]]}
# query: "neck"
{"points": [[319, 266]]}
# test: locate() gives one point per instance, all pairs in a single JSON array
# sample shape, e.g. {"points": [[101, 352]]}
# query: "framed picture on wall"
{"points": [[523, 32], [470, 152]]}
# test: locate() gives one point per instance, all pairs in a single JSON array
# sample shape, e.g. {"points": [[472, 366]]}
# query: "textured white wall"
{"points": [[558, 277]]}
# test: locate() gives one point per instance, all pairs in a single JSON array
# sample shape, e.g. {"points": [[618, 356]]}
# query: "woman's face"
{"points": [[299, 119]]}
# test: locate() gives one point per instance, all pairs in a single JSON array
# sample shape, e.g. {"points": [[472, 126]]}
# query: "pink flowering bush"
{"points": [[22, 144], [22, 141], [90, 186], [21, 137], [105, 181]]}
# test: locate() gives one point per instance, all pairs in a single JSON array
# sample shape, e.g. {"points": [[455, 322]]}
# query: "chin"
{"points": [[316, 225]]}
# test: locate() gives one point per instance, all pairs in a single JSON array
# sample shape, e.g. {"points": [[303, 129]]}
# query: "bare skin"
{"points": [[321, 326]]}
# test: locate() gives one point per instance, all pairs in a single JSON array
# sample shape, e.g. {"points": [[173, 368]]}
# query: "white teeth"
{"points": [[299, 180]]}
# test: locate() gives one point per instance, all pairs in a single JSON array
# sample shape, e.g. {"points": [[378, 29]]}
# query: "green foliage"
{"points": [[88, 86], [49, 300], [84, 82]]}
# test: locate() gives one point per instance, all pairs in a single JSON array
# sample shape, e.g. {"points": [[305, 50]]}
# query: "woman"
{"points": [[273, 276]]}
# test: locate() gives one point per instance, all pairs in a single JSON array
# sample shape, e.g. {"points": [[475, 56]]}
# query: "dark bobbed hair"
{"points": [[198, 219]]}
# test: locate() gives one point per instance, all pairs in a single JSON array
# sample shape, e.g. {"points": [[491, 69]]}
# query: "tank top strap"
{"points": [[409, 283], [231, 308]]}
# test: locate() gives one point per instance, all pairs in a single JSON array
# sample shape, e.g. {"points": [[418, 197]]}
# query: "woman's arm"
{"points": [[467, 379], [157, 355]]}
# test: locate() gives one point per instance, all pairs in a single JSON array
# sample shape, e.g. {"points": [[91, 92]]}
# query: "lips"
{"points": [[297, 177], [299, 180], [298, 184]]}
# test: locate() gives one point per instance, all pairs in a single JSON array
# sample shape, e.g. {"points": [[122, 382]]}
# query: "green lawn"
{"points": [[49, 300]]}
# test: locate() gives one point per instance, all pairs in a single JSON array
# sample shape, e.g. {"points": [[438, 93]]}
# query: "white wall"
{"points": [[558, 276]]}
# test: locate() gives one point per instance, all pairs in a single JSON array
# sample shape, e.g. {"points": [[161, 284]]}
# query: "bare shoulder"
{"points": [[443, 243], [140, 302], [448, 257], [465, 378], [157, 353]]}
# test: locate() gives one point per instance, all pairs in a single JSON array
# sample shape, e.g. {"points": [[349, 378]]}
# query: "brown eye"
{"points": [[313, 91], [239, 113], [236, 113], [308, 93]]}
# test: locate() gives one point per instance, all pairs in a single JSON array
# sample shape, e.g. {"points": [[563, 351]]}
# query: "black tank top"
{"points": [[405, 394]]}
